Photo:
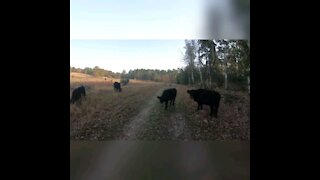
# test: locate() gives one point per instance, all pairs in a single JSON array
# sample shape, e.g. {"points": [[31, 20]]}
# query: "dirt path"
{"points": [[136, 124], [178, 128], [155, 123]]}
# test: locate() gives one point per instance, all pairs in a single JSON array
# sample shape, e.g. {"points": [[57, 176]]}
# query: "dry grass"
{"points": [[233, 122], [104, 113]]}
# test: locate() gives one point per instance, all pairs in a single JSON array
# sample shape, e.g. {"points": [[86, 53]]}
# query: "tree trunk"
{"points": [[225, 78], [237, 67], [192, 77], [248, 78], [209, 79], [201, 83], [225, 81], [213, 50]]}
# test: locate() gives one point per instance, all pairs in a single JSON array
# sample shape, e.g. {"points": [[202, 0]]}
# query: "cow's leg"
{"points": [[198, 107], [211, 110], [217, 108], [215, 112], [166, 105]]}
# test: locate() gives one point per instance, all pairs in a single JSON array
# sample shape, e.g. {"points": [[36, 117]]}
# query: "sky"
{"points": [[135, 19], [119, 55], [121, 35], [127, 34]]}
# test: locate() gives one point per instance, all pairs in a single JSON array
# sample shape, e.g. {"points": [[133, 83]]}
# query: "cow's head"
{"points": [[160, 98]]}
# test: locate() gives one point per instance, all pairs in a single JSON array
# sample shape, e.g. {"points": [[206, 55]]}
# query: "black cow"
{"points": [[207, 97], [168, 95], [77, 94], [117, 86]]}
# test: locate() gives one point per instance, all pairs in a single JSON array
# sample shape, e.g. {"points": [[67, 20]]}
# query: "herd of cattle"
{"points": [[201, 96]]}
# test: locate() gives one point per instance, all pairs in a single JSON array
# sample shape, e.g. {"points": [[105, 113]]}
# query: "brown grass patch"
{"points": [[103, 114]]}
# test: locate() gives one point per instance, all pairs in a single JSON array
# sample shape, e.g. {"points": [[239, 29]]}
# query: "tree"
{"points": [[88, 70], [189, 58], [225, 54], [218, 63], [235, 58], [98, 71], [73, 69], [207, 58], [244, 63]]}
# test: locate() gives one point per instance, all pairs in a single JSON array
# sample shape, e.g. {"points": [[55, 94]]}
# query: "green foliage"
{"points": [[96, 71], [153, 75], [215, 62], [88, 71], [208, 64], [169, 76], [78, 70], [182, 77]]}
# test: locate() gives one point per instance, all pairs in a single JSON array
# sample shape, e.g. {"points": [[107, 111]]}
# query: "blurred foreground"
{"points": [[159, 160]]}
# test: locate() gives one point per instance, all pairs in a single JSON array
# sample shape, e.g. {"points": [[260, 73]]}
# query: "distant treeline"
{"points": [[209, 64], [152, 75], [140, 74], [96, 71]]}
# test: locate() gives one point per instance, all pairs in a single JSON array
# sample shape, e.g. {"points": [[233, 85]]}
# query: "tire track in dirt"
{"points": [[175, 124], [156, 123], [178, 129], [132, 129]]}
